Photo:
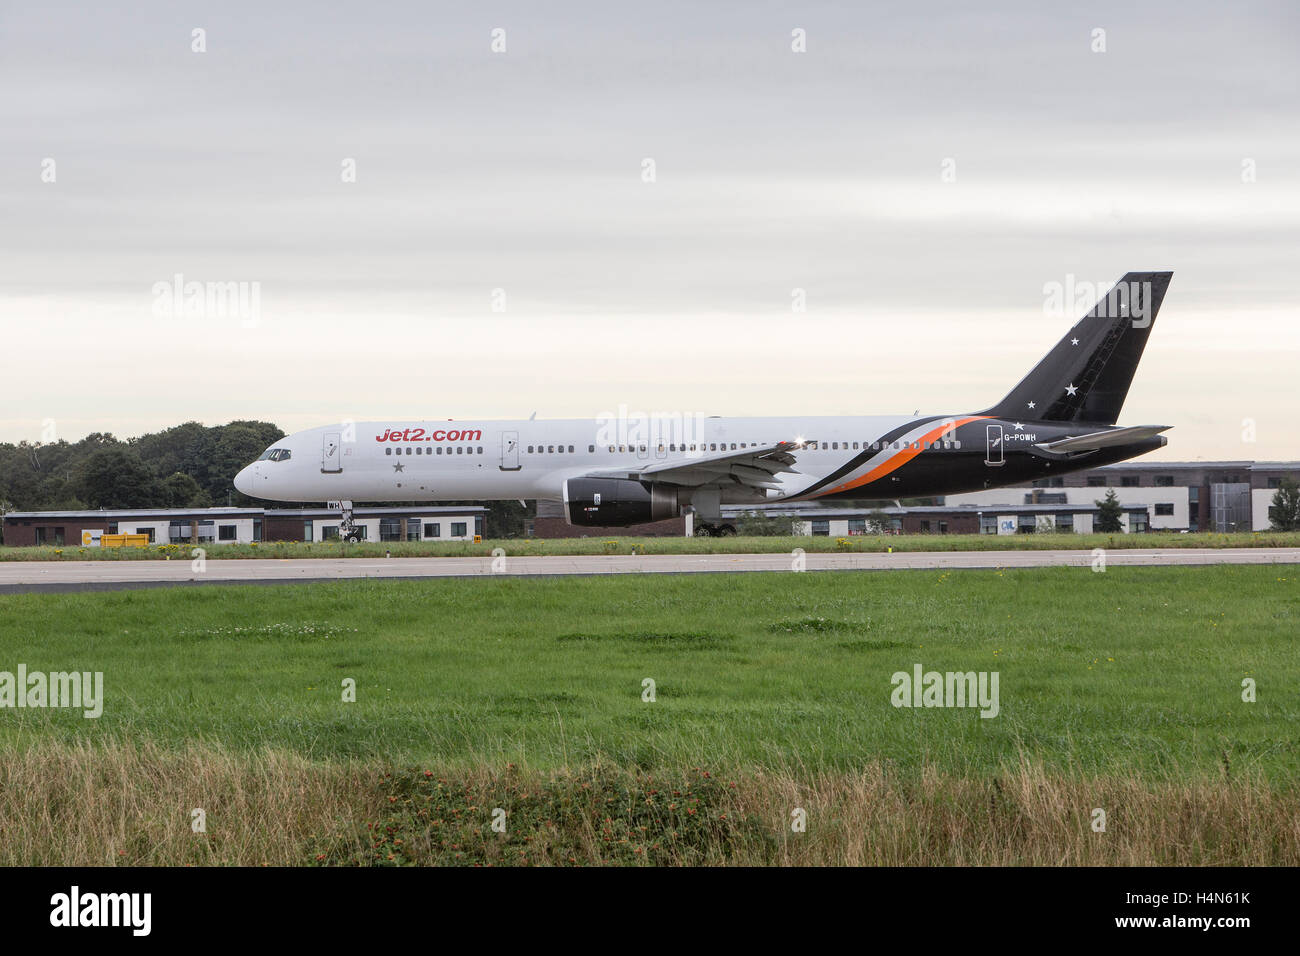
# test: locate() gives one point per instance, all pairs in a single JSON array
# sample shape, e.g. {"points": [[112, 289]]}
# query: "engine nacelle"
{"points": [[617, 502]]}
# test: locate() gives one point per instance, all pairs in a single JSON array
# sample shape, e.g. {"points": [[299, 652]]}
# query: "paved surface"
{"points": [[102, 575]]}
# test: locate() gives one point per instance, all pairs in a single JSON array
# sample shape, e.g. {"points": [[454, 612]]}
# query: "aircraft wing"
{"points": [[1105, 439], [755, 467]]}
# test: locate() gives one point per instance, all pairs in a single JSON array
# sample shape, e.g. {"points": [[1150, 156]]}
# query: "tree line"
{"points": [[186, 466]]}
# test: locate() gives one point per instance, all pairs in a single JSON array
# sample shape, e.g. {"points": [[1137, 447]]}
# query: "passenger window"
{"points": [[388, 451]]}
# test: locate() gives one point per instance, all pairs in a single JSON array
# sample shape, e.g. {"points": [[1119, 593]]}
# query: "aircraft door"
{"points": [[510, 451], [330, 454], [994, 453]]}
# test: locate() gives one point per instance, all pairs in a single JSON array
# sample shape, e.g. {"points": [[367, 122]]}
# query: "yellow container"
{"points": [[124, 541]]}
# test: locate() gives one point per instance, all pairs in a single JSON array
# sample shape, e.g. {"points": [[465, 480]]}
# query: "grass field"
{"points": [[520, 547], [1121, 689]]}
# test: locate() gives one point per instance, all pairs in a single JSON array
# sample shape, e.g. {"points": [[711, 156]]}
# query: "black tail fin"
{"points": [[1085, 378]]}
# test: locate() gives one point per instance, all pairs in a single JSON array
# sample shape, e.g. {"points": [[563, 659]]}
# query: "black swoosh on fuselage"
{"points": [[858, 460]]}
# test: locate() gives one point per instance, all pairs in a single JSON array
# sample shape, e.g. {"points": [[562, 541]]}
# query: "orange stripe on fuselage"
{"points": [[903, 457]]}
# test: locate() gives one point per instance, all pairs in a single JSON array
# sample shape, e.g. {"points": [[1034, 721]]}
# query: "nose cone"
{"points": [[244, 481]]}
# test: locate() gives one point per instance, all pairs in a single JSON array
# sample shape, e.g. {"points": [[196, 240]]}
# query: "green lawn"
{"points": [[667, 545], [1136, 669]]}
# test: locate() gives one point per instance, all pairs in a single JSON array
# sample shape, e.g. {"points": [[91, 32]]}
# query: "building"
{"points": [[934, 519], [243, 525], [1178, 496]]}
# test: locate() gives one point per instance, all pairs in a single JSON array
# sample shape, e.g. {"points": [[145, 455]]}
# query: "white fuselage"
{"points": [[502, 460]]}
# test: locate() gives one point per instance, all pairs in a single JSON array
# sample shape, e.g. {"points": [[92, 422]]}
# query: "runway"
{"points": [[25, 576]]}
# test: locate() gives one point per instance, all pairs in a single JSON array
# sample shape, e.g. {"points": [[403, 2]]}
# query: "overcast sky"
{"points": [[921, 172]]}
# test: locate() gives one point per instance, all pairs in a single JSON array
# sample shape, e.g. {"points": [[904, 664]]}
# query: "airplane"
{"points": [[1061, 417]]}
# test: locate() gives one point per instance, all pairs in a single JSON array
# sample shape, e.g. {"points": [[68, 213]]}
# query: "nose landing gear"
{"points": [[348, 530]]}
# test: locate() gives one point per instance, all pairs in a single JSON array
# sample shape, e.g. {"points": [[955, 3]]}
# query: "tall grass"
{"points": [[130, 804]]}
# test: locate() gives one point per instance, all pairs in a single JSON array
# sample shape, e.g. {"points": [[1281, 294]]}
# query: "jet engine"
{"points": [[610, 502]]}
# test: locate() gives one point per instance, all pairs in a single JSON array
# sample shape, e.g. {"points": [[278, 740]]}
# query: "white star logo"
{"points": [[1071, 389], [1031, 404], [1074, 341], [1020, 426]]}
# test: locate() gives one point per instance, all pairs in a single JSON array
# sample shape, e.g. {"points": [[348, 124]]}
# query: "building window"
{"points": [[943, 527], [112, 527], [412, 529], [1137, 521], [257, 529], [988, 524], [458, 529], [390, 529], [1096, 481], [857, 526], [821, 527], [1129, 481], [58, 537], [1027, 524], [433, 529], [1164, 481], [1165, 509], [146, 531], [478, 521], [1275, 482], [1065, 523], [306, 530], [40, 537], [925, 527], [226, 532], [329, 532]]}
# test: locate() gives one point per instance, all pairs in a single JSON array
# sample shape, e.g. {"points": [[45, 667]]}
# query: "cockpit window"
{"points": [[265, 455], [275, 454]]}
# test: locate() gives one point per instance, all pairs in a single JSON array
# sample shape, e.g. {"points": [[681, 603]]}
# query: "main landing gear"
{"points": [[705, 530]]}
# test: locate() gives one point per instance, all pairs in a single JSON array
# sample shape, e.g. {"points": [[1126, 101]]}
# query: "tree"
{"points": [[179, 490], [1285, 512], [759, 525], [1109, 512], [117, 478]]}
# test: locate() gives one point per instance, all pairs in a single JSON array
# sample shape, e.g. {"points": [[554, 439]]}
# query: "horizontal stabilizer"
{"points": [[1104, 439]]}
